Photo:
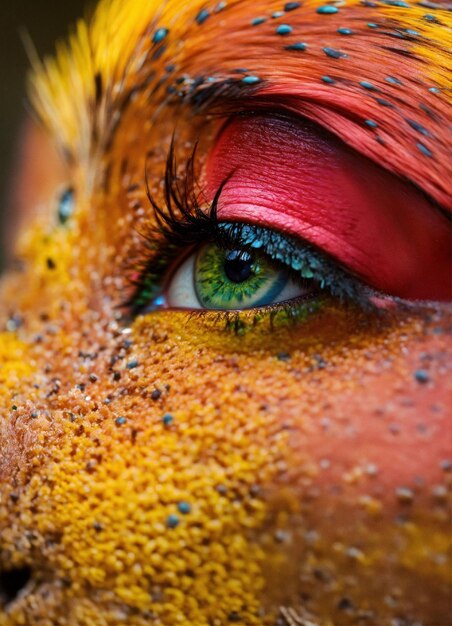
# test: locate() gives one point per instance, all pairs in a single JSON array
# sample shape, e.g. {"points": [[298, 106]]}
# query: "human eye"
{"points": [[285, 218]]}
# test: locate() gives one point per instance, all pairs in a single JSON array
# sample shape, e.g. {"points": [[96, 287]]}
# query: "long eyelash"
{"points": [[182, 222]]}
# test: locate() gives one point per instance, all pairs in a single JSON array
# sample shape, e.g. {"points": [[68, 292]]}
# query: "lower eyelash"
{"points": [[240, 322], [183, 223]]}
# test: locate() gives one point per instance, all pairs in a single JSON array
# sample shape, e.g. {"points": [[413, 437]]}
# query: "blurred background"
{"points": [[44, 21]]}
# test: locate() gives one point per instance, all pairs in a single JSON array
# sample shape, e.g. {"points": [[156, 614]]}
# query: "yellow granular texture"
{"points": [[14, 365]]}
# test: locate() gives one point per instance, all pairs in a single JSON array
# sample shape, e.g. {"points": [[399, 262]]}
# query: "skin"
{"points": [[164, 468]]}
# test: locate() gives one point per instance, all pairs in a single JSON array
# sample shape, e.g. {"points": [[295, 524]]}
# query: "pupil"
{"points": [[238, 266]]}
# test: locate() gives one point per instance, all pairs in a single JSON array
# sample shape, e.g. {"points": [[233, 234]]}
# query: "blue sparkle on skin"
{"points": [[160, 35], [258, 20], [284, 29], [66, 206], [367, 85], [167, 419], [327, 9], [202, 16], [423, 148], [251, 80], [120, 421], [184, 508], [429, 17], [277, 14], [328, 80], [291, 6], [372, 25], [344, 31], [371, 123], [393, 81], [172, 521], [299, 46], [220, 6], [434, 90], [334, 54], [409, 31]]}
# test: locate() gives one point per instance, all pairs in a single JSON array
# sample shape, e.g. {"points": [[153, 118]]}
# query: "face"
{"points": [[225, 347]]}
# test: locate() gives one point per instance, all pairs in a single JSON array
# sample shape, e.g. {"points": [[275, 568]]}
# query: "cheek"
{"points": [[294, 177], [220, 462]]}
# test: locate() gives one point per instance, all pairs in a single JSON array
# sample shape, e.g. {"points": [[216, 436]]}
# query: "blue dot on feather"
{"points": [[333, 53], [297, 47], [327, 9], [202, 16], [251, 80], [367, 85], [284, 29], [344, 31], [291, 6], [423, 148], [160, 35]]}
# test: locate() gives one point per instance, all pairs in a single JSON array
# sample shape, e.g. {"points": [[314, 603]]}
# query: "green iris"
{"points": [[236, 279]]}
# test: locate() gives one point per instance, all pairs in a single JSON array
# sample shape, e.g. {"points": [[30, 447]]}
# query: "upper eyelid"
{"points": [[227, 98], [254, 104]]}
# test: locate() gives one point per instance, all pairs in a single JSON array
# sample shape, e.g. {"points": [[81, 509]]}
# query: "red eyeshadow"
{"points": [[292, 176]]}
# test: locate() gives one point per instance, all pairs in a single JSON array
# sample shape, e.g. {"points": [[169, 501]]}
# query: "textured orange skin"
{"points": [[318, 482]]}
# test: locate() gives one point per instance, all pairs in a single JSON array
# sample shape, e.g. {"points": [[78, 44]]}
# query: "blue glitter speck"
{"points": [[418, 127], [66, 206], [167, 419], [251, 80], [434, 90], [371, 123], [184, 508], [393, 81], [334, 54], [344, 31], [277, 14], [291, 6], [172, 521], [299, 46], [421, 376], [367, 85], [372, 25], [328, 80], [258, 20], [284, 29], [160, 35], [327, 10], [202, 16], [423, 148], [384, 103], [397, 3]]}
